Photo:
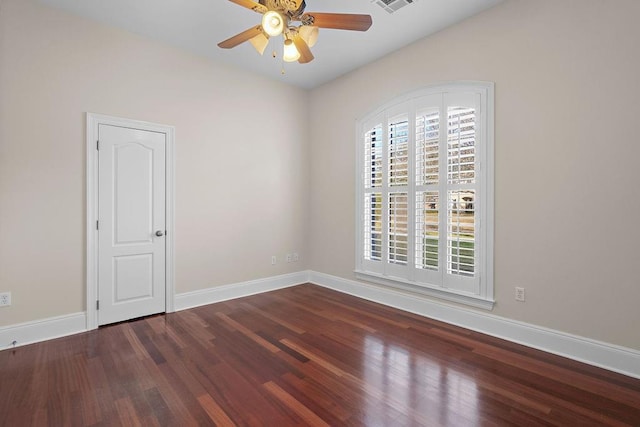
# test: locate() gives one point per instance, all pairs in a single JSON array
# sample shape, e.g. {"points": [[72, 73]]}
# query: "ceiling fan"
{"points": [[280, 16]]}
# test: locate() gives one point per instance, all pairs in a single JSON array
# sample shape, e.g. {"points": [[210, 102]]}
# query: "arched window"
{"points": [[425, 193]]}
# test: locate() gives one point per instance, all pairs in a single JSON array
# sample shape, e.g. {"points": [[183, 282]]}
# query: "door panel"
{"points": [[132, 277], [131, 206], [133, 177]]}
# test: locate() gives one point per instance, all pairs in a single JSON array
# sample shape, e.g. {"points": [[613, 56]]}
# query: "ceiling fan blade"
{"points": [[241, 38], [305, 53], [250, 4], [338, 21]]}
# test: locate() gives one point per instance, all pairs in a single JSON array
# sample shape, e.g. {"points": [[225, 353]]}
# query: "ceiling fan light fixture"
{"points": [[291, 53], [298, 28], [273, 23], [309, 34], [259, 43]]}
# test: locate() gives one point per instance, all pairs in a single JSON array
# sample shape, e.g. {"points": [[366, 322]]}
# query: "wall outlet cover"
{"points": [[5, 299]]}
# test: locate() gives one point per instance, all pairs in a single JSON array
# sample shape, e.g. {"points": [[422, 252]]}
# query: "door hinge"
{"points": [[97, 225], [98, 145], [97, 304]]}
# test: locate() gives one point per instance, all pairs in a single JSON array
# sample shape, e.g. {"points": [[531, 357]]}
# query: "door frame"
{"points": [[92, 123]]}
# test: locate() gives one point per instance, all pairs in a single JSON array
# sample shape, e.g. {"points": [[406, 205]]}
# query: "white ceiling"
{"points": [[198, 25]]}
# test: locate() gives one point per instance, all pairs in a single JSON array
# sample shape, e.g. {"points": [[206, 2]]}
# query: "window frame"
{"points": [[481, 294]]}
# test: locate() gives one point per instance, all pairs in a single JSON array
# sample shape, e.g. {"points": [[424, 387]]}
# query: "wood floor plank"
{"points": [[320, 396], [126, 412], [309, 418], [273, 318], [304, 355], [248, 333], [216, 413]]}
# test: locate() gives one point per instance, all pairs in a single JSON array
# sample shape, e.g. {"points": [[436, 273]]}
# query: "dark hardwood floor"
{"points": [[302, 356]]}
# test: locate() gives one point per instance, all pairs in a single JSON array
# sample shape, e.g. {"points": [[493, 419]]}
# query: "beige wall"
{"points": [[567, 100], [241, 181]]}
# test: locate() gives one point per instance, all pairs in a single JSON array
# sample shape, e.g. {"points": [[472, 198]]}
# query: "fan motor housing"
{"points": [[290, 7]]}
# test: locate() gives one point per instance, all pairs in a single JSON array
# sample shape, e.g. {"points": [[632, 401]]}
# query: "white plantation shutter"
{"points": [[461, 137], [398, 226], [398, 180], [372, 215], [398, 147], [427, 147], [373, 227], [461, 142], [373, 172], [427, 230], [424, 194], [461, 233], [427, 191]]}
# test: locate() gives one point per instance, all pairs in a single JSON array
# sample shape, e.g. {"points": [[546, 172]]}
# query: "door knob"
{"points": [[159, 233]]}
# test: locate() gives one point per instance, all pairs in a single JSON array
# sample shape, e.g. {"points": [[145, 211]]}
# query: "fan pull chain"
{"points": [[281, 60]]}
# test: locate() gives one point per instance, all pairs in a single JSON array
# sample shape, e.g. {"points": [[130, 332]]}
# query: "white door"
{"points": [[131, 227]]}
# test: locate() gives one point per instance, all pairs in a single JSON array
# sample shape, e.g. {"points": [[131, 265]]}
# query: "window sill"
{"points": [[424, 289]]}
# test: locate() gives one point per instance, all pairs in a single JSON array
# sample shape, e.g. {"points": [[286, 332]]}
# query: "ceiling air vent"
{"points": [[392, 5]]}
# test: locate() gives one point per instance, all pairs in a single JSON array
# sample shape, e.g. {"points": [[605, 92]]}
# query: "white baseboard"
{"points": [[238, 290], [608, 356], [42, 330]]}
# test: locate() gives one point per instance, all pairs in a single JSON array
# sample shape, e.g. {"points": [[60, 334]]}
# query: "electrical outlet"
{"points": [[519, 294], [5, 299], [296, 257], [289, 257], [273, 260]]}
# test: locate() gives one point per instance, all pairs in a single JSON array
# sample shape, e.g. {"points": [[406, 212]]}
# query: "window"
{"points": [[425, 193]]}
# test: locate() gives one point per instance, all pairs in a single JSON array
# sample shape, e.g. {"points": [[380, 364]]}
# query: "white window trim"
{"points": [[485, 297]]}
